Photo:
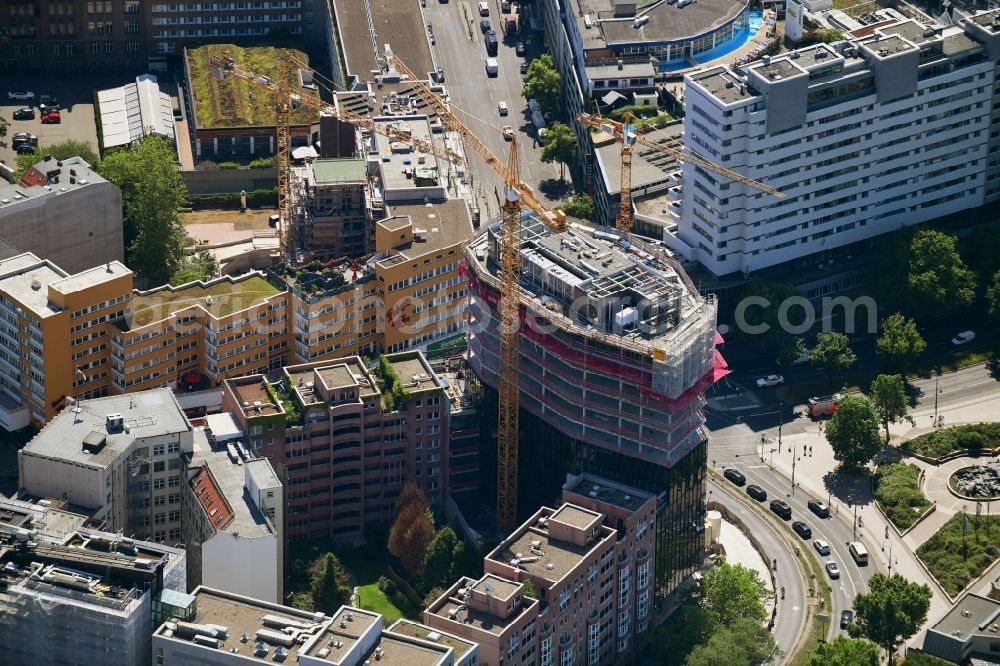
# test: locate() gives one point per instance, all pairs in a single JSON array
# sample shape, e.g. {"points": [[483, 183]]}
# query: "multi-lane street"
{"points": [[460, 49]]}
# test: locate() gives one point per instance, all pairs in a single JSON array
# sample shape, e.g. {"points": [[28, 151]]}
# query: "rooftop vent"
{"points": [[794, 55], [35, 284], [114, 422]]}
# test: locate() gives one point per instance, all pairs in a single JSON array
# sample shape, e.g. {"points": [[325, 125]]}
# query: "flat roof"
{"points": [[494, 585], [981, 611], [628, 70], [446, 224], [399, 24], [252, 395], [228, 295], [300, 376], [575, 516], [341, 634], [464, 614], [49, 177], [91, 277], [667, 22], [425, 633], [723, 84], [151, 413], [394, 165], [603, 490], [412, 366], [394, 651], [777, 69], [344, 170], [649, 165], [26, 279]]}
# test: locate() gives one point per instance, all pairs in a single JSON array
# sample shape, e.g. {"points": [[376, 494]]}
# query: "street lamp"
{"points": [[794, 455], [762, 440], [781, 419], [772, 459]]}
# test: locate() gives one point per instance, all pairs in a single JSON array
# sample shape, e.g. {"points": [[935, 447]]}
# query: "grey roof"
{"points": [[628, 70], [649, 165], [37, 184], [666, 23], [152, 413], [970, 615], [134, 110]]}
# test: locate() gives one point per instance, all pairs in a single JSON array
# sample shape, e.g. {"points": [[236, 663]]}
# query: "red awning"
{"points": [[192, 378], [719, 340]]}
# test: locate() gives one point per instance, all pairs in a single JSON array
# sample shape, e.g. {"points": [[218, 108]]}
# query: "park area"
{"points": [[234, 102], [939, 443], [897, 490], [954, 559]]}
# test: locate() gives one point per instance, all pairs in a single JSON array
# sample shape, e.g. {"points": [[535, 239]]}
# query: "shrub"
{"points": [[941, 442], [387, 585], [897, 491], [262, 163], [227, 165], [956, 561]]}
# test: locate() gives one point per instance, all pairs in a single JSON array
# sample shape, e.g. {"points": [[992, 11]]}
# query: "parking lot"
{"points": [[75, 96]]}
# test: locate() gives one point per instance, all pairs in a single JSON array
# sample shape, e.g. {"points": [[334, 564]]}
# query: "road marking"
{"points": [[985, 381], [795, 608]]}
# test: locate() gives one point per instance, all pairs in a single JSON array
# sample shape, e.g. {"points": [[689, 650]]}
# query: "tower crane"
{"points": [[627, 138], [515, 193], [286, 99]]}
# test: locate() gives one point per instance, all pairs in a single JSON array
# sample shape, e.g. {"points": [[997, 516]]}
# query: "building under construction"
{"points": [[616, 350]]}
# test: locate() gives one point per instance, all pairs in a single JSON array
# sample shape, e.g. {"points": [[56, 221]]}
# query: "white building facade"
{"points": [[863, 137]]}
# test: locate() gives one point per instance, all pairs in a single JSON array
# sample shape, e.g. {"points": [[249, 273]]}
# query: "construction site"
{"points": [[616, 348]]}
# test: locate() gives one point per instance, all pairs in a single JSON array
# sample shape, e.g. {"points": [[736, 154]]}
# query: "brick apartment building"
{"points": [[136, 34], [344, 445], [590, 562]]}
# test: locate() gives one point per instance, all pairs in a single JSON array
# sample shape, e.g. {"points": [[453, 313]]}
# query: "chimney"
{"points": [[621, 64]]}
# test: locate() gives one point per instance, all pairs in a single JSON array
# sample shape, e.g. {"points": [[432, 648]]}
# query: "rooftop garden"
{"points": [[315, 277], [227, 296], [394, 394], [234, 102]]}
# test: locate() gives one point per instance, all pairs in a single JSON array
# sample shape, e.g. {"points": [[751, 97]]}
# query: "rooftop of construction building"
{"points": [[601, 489], [331, 374], [330, 171], [221, 484], [401, 165], [459, 611], [220, 297], [87, 434], [436, 227], [391, 98]]}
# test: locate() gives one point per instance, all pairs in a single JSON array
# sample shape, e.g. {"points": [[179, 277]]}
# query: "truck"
{"points": [[492, 67], [510, 25], [824, 405]]}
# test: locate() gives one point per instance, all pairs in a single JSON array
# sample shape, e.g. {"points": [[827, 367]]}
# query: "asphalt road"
{"points": [[460, 48], [790, 617]]}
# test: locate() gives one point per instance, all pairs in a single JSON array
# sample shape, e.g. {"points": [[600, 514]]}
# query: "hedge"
{"points": [[257, 198], [939, 443], [897, 490]]}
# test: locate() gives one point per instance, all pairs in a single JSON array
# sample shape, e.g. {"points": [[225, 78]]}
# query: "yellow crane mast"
{"points": [[627, 138]]}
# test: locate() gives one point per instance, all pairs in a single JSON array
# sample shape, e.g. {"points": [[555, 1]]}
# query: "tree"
{"points": [[792, 351], [3, 131], [543, 83], [993, 296], [60, 151], [853, 432], [888, 396], [673, 640], [982, 252], [579, 205], [893, 610], [410, 494], [939, 281], [561, 147], [730, 592], [900, 342], [409, 537], [330, 589], [833, 353], [433, 595], [198, 266], [302, 601], [830, 35], [923, 659], [845, 652], [152, 192], [745, 643], [439, 562]]}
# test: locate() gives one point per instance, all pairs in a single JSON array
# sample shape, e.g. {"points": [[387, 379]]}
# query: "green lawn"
{"points": [[228, 296], [955, 565], [946, 440], [374, 600], [898, 493]]}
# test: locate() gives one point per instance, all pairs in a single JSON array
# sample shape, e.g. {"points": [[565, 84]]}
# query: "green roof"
{"points": [[228, 296], [340, 170]]}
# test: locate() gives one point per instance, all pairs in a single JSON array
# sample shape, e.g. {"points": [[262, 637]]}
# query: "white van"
{"points": [[484, 9], [859, 553]]}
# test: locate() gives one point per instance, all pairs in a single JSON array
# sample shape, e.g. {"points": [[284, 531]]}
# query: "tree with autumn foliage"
{"points": [[413, 529]]}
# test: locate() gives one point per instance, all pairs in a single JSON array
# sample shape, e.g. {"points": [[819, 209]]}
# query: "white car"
{"points": [[484, 9], [963, 338], [802, 359], [502, 108], [832, 569], [22, 95], [508, 132], [770, 380], [821, 546]]}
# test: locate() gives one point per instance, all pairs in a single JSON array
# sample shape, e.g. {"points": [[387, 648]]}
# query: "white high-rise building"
{"points": [[890, 127]]}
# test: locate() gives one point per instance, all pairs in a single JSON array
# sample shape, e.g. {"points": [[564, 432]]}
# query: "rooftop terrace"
{"points": [[423, 632], [220, 298], [253, 395], [458, 611]]}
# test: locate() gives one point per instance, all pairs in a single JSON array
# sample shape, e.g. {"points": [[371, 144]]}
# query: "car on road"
{"points": [[508, 132], [964, 337], [520, 49], [846, 617], [757, 492], [22, 95], [51, 118], [524, 68], [502, 108], [735, 476], [770, 380], [781, 509], [832, 569], [484, 26], [821, 546], [802, 529], [23, 137], [27, 113], [817, 507], [484, 9]]}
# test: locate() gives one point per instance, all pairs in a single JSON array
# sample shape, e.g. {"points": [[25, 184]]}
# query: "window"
{"points": [[173, 447], [593, 643], [563, 599], [159, 501], [643, 575], [640, 529], [622, 624], [174, 516], [566, 658], [512, 647], [623, 645], [546, 652], [158, 449], [159, 483], [643, 605]]}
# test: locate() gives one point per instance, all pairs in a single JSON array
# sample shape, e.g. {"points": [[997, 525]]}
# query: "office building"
{"points": [[345, 439], [967, 633], [332, 211], [224, 629], [232, 520], [65, 212], [81, 596], [889, 127], [617, 347], [593, 583]]}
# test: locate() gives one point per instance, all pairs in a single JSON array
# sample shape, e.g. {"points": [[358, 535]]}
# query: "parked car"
{"points": [[846, 617], [484, 26], [963, 338], [24, 137], [832, 570], [502, 108], [757, 493], [21, 95], [821, 546], [27, 113], [781, 509], [820, 509], [770, 380], [520, 49], [801, 359], [484, 9], [735, 476], [25, 148], [508, 132], [524, 68], [802, 529], [51, 118]]}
